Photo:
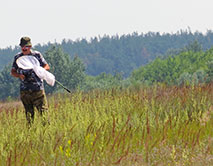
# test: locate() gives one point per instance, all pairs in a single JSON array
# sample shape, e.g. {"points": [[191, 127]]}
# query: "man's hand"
{"points": [[15, 74], [46, 67], [21, 76]]}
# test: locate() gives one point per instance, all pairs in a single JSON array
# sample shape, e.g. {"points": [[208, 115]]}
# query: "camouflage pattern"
{"points": [[31, 82], [32, 99], [25, 41]]}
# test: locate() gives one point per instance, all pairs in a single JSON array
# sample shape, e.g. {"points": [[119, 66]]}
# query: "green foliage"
{"points": [[179, 59], [189, 66], [123, 53], [69, 72], [185, 79], [105, 81], [76, 73], [210, 70], [6, 56], [9, 86], [195, 46]]}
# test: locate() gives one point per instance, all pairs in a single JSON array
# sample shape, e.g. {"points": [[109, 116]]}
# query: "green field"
{"points": [[156, 125]]}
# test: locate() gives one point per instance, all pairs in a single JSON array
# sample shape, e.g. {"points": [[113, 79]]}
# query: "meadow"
{"points": [[156, 125]]}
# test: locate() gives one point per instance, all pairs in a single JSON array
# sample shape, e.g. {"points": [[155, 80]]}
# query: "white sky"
{"points": [[53, 20]]}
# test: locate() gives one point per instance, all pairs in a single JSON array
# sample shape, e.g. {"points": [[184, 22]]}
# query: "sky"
{"points": [[54, 20]]}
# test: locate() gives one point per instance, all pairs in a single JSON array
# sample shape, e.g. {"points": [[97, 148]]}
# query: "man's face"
{"points": [[25, 49]]}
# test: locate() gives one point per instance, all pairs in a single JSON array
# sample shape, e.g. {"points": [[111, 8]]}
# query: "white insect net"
{"points": [[30, 62]]}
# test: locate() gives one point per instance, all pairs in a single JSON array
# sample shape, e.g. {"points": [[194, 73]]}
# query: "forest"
{"points": [[123, 54], [133, 59]]}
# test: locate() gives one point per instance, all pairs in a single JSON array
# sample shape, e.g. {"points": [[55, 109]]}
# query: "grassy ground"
{"points": [[149, 126]]}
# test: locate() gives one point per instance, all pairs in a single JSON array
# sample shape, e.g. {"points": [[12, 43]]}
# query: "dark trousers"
{"points": [[32, 100]]}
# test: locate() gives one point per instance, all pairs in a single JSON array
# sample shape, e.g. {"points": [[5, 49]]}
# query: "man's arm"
{"points": [[15, 74]]}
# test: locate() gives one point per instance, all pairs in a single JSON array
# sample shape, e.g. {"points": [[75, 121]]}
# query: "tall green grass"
{"points": [[156, 125]]}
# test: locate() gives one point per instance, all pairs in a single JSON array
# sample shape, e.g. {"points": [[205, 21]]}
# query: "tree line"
{"points": [[120, 54], [191, 65], [70, 72]]}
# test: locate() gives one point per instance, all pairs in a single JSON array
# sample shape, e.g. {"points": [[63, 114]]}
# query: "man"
{"points": [[32, 92]]}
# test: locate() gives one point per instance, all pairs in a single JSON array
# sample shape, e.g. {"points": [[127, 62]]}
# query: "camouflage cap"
{"points": [[25, 41]]}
